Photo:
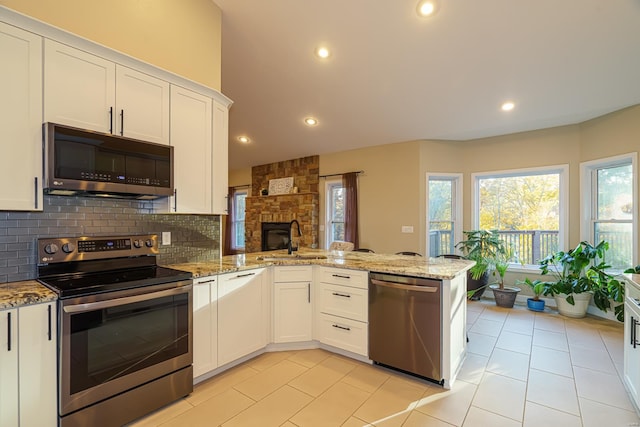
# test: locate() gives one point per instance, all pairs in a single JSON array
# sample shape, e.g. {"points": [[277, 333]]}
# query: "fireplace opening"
{"points": [[275, 235]]}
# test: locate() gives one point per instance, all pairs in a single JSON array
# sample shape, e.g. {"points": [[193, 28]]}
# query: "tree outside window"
{"points": [[237, 222], [525, 207]]}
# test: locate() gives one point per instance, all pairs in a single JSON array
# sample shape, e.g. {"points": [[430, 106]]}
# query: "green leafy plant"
{"points": [[537, 287], [583, 269]]}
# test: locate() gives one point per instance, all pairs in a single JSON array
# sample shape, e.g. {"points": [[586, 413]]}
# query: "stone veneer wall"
{"points": [[303, 206], [193, 237]]}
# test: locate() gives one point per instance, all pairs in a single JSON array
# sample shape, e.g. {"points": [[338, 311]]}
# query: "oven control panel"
{"points": [[65, 249]]}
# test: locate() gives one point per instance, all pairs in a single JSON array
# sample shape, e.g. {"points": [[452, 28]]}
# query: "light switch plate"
{"points": [[407, 228], [166, 238]]}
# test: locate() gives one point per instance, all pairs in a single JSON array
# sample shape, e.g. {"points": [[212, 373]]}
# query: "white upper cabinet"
{"points": [[191, 135], [89, 92], [20, 119], [79, 88], [220, 157], [142, 106]]}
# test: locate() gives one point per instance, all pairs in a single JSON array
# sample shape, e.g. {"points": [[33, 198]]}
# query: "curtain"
{"points": [[226, 246], [350, 183]]}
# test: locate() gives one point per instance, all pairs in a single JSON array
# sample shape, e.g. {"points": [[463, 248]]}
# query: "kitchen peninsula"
{"points": [[252, 303]]}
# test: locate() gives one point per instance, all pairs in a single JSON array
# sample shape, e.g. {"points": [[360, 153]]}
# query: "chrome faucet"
{"points": [[290, 247]]}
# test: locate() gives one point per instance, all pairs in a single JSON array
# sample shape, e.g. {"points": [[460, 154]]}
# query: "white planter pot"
{"points": [[579, 309]]}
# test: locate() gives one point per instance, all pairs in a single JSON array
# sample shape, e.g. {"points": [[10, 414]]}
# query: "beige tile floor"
{"points": [[522, 369]]}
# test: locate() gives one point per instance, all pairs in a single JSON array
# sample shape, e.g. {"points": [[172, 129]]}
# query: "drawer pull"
{"points": [[49, 322], [339, 276], [239, 276], [634, 324], [336, 294], [344, 328]]}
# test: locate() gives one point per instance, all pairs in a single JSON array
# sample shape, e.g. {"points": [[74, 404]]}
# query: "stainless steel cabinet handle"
{"points": [[239, 276], [99, 305], [341, 276], [344, 328], [428, 289], [206, 281], [309, 292], [341, 295]]}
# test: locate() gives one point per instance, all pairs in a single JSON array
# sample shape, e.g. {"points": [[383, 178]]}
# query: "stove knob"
{"points": [[137, 243], [149, 243], [68, 248], [51, 248]]}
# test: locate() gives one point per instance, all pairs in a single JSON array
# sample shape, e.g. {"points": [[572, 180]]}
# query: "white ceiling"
{"points": [[395, 77]]}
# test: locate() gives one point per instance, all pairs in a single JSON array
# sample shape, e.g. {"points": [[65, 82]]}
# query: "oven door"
{"points": [[113, 342]]}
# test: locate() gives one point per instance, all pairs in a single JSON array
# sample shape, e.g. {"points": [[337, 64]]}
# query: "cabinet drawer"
{"points": [[346, 334], [343, 301], [342, 276], [302, 273]]}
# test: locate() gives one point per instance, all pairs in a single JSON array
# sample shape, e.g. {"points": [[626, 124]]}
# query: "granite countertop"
{"points": [[16, 294], [436, 268]]}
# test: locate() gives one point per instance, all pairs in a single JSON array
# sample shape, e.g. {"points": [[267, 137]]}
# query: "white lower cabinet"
{"points": [[205, 325], [243, 315], [632, 343], [28, 390], [292, 304], [342, 309]]}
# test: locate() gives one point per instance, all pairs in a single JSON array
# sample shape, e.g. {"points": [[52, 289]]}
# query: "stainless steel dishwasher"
{"points": [[405, 324]]}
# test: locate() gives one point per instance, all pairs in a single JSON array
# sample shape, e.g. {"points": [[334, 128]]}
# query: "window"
{"points": [[335, 196], [609, 207], [528, 207], [444, 202], [237, 219]]}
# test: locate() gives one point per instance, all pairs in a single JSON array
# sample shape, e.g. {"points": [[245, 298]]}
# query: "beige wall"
{"points": [[183, 36], [392, 191]]}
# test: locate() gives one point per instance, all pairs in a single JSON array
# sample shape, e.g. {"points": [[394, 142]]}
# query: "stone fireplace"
{"points": [[303, 206]]}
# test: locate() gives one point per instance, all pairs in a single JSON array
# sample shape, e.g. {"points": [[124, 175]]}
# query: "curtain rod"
{"points": [[242, 186], [340, 174]]}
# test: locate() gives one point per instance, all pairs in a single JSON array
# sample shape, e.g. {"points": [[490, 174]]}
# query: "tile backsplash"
{"points": [[193, 237]]}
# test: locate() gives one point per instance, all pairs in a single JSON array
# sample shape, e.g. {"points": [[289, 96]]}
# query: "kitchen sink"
{"points": [[291, 257]]}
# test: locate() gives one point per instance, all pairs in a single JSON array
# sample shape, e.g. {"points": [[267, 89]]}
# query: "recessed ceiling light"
{"points": [[507, 106], [310, 121], [322, 52], [244, 139], [427, 7]]}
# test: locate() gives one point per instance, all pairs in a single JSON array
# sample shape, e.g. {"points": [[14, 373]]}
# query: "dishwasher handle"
{"points": [[428, 289]]}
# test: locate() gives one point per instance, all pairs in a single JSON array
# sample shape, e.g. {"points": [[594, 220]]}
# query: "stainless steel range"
{"points": [[125, 328]]}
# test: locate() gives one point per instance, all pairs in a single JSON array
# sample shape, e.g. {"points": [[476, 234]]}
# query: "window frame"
{"points": [[329, 185], [234, 219], [457, 211], [588, 198], [563, 221]]}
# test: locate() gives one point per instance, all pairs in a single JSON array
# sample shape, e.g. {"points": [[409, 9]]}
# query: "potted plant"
{"points": [[537, 286], [479, 246], [505, 296], [492, 256], [579, 275]]}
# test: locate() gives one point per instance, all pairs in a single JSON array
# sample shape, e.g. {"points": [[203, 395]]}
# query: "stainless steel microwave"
{"points": [[81, 162]]}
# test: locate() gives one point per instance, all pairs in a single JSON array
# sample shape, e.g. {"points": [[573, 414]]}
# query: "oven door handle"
{"points": [[98, 305], [429, 289]]}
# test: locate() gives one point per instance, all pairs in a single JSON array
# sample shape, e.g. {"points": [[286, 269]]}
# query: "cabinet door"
{"points": [[20, 119], [242, 314], [632, 350], [205, 325], [191, 115], [142, 106], [79, 88], [9, 368], [37, 373], [292, 312], [220, 158]]}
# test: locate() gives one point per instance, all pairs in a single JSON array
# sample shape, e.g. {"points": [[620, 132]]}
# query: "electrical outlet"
{"points": [[407, 228], [166, 238]]}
